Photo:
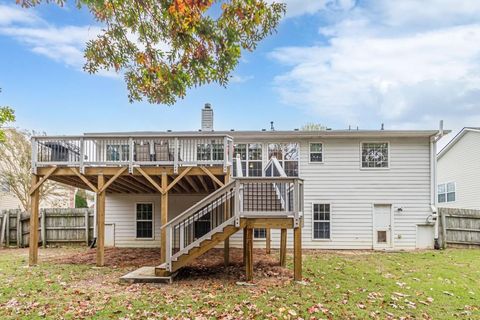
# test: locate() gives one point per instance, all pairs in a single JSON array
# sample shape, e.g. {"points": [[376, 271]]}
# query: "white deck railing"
{"points": [[155, 150]]}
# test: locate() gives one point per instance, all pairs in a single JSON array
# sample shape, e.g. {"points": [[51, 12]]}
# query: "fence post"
{"points": [[7, 229], [19, 229], [444, 229], [2, 230], [87, 227], [43, 228]]}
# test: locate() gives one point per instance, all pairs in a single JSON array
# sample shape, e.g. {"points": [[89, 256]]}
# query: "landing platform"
{"points": [[146, 275]]}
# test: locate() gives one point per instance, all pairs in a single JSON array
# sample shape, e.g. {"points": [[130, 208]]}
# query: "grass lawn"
{"points": [[338, 285]]}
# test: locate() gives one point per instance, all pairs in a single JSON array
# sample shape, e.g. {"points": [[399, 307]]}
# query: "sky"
{"points": [[340, 63]]}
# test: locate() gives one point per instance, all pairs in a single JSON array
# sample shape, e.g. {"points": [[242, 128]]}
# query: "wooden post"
{"points": [[249, 255], [43, 228], [34, 208], [244, 246], [101, 222], [18, 229], [226, 242], [268, 241], [164, 218], [87, 227], [2, 231], [283, 247], [7, 229], [297, 253], [444, 229]]}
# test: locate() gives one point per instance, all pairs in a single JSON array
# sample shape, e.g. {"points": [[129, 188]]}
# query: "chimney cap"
{"points": [[208, 105]]}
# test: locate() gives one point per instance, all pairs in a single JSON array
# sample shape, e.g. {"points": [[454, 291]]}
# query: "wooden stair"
{"points": [[202, 247]]}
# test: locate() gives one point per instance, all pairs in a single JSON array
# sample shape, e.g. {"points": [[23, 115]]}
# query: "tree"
{"points": [[15, 169], [165, 47], [6, 115], [81, 199], [314, 127]]}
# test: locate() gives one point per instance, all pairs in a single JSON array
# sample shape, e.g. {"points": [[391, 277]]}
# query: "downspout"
{"points": [[433, 183]]}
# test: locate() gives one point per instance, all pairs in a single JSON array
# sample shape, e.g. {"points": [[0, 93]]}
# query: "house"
{"points": [[187, 192], [459, 171], [7, 198]]}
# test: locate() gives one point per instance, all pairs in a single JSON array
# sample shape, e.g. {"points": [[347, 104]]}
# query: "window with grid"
{"points": [[204, 151], [218, 151], [260, 233], [321, 221], [375, 155], [4, 186], [446, 192], [251, 159], [144, 220], [117, 152], [287, 155], [316, 152]]}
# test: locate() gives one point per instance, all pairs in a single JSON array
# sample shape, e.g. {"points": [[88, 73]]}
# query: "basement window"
{"points": [[260, 233], [144, 220], [321, 221], [447, 192]]}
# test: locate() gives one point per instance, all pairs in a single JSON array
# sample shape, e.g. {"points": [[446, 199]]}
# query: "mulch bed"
{"points": [[210, 265]]}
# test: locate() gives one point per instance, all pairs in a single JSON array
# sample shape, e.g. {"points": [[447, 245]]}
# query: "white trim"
{"points": [[455, 140], [361, 159], [310, 151], [329, 239], [153, 219]]}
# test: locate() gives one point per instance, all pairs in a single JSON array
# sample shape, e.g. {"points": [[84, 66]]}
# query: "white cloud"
{"points": [[371, 71], [64, 44], [297, 8], [240, 79]]}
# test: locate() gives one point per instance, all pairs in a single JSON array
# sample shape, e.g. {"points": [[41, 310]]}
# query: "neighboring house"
{"points": [[7, 198], [345, 189], [458, 179]]}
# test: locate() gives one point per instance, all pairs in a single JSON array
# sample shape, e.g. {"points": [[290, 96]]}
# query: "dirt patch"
{"points": [[208, 266]]}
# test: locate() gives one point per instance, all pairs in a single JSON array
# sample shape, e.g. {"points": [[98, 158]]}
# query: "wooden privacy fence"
{"points": [[57, 226], [459, 227]]}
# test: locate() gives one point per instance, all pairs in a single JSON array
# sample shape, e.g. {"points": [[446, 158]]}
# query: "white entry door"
{"points": [[382, 226]]}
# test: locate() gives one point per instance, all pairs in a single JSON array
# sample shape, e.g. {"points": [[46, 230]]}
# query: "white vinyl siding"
{"points": [[461, 164]]}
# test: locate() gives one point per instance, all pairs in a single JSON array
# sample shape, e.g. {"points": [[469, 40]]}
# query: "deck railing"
{"points": [[242, 197], [156, 150]]}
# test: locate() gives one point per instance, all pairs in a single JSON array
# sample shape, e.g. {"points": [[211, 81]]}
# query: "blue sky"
{"points": [[405, 63]]}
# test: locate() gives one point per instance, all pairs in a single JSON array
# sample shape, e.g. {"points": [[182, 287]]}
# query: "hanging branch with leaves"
{"points": [[166, 47]]}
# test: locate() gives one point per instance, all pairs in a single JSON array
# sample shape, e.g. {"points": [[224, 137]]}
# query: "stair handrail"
{"points": [[194, 208]]}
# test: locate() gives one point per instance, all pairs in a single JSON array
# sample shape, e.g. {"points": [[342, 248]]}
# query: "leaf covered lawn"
{"points": [[338, 285]]}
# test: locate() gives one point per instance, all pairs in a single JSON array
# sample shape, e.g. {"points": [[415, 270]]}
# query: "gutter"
{"points": [[433, 182]]}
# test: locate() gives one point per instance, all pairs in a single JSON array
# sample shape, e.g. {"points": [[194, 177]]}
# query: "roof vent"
{"points": [[272, 127], [264, 129], [207, 117]]}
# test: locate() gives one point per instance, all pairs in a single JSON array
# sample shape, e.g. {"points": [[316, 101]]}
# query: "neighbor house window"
{"points": [[447, 192], [321, 221], [117, 152], [375, 155], [4, 186], [144, 220], [250, 155], [287, 155], [260, 233], [210, 151], [316, 152]]}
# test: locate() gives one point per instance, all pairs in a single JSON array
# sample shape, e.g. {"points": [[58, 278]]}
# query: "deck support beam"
{"points": [[297, 254], [226, 211], [249, 255], [283, 247], [34, 210], [101, 221], [268, 241], [164, 218]]}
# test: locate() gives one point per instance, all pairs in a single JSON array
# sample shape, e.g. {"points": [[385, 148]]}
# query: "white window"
{"points": [[251, 159], [321, 221], [260, 233], [144, 220], [447, 192], [287, 155], [375, 155], [316, 152]]}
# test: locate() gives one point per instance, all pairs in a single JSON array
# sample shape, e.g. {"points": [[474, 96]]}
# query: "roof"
{"points": [[457, 138], [283, 134]]}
